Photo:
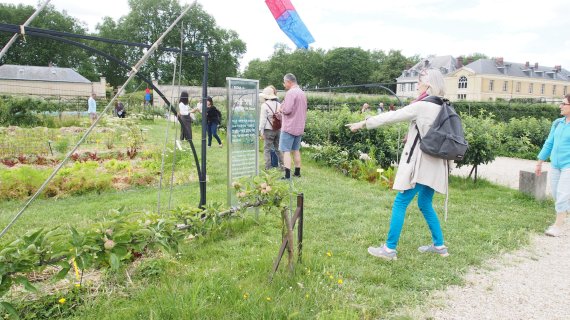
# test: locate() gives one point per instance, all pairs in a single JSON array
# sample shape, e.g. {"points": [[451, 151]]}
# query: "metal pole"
{"points": [[204, 125], [16, 35]]}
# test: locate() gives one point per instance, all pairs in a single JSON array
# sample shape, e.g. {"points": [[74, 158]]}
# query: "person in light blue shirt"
{"points": [[92, 107], [557, 147]]}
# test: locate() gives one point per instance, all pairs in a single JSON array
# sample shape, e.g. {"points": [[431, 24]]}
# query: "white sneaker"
{"points": [[553, 231]]}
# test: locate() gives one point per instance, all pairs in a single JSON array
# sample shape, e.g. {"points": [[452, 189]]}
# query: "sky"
{"points": [[518, 31]]}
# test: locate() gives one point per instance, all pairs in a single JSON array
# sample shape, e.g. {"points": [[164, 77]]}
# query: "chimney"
{"points": [[426, 63], [557, 68], [499, 61], [469, 60], [459, 62], [536, 65], [526, 65]]}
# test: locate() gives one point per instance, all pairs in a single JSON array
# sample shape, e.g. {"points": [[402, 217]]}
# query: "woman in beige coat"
{"points": [[418, 173]]}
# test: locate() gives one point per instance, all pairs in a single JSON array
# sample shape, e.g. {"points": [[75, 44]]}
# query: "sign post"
{"points": [[242, 137]]}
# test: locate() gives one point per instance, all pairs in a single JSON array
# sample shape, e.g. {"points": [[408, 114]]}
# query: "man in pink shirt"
{"points": [[294, 114]]}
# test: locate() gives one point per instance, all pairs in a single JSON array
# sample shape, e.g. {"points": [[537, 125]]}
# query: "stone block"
{"points": [[532, 185]]}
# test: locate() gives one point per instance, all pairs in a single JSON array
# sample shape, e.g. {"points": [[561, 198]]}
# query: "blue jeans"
{"points": [[213, 131], [560, 184], [403, 199]]}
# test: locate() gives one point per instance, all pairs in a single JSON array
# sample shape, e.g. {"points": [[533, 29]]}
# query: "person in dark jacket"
{"points": [[214, 118]]}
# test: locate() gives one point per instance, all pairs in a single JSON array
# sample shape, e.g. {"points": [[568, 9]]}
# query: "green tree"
{"points": [[482, 135], [148, 19], [387, 67], [41, 51], [116, 75], [258, 69], [347, 66], [145, 23]]}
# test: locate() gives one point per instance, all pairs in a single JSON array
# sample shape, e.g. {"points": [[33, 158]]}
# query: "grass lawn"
{"points": [[225, 275]]}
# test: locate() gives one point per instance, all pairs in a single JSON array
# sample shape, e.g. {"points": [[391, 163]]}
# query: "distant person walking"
{"points": [[294, 115], [214, 118], [147, 97], [92, 107], [268, 128], [557, 148], [418, 173]]}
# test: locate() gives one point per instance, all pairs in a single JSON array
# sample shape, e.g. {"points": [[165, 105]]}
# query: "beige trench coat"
{"points": [[419, 167]]}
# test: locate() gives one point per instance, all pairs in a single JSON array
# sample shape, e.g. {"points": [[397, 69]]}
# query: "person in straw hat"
{"points": [[269, 107]]}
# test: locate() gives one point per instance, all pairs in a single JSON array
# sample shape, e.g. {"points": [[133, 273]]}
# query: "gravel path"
{"points": [[504, 171], [532, 283]]}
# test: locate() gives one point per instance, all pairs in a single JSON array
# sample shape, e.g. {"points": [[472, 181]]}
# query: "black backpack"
{"points": [[445, 139]]}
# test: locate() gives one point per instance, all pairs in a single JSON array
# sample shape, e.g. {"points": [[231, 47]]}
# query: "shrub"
{"points": [[61, 145], [482, 135]]}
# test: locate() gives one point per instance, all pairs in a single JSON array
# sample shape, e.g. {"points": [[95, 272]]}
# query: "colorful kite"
{"points": [[289, 21]]}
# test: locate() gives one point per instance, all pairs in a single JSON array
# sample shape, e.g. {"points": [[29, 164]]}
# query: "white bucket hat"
{"points": [[267, 94]]}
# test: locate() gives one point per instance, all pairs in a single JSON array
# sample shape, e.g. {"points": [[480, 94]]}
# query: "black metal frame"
{"points": [[367, 85], [59, 36]]}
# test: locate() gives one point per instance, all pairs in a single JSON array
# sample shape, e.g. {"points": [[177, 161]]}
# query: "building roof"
{"points": [[513, 69], [34, 73], [446, 64]]}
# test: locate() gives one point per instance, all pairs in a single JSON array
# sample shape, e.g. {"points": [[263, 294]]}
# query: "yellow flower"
{"points": [[245, 296], [78, 285], [379, 170], [329, 253], [339, 281], [61, 301], [268, 298], [331, 277]]}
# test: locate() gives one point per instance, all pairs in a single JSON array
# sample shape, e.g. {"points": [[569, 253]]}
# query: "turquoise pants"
{"points": [[403, 199]]}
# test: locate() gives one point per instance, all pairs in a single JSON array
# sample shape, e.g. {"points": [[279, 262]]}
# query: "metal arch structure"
{"points": [[59, 36], [367, 85]]}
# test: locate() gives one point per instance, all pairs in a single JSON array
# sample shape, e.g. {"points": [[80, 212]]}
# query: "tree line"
{"points": [[145, 22], [317, 68]]}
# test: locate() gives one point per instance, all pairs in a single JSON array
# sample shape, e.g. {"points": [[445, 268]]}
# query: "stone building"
{"points": [[50, 81]]}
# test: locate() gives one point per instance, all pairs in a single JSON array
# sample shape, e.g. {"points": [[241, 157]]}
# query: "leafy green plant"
{"points": [[122, 237], [482, 135], [61, 145]]}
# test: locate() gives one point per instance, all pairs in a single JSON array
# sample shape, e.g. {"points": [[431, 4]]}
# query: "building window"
{"points": [[462, 96], [518, 87], [542, 88], [462, 82], [413, 87], [530, 87], [505, 86], [554, 90], [491, 85]]}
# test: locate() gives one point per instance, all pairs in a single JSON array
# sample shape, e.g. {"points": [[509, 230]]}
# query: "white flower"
{"points": [[364, 156]]}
